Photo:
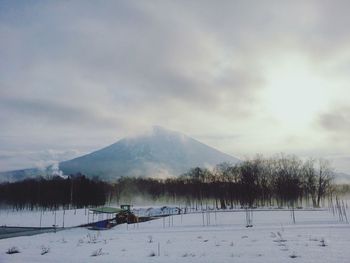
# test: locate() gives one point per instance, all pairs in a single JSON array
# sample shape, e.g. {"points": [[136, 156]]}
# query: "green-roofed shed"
{"points": [[106, 210]]}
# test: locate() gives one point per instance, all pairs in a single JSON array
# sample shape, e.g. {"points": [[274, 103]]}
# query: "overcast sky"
{"points": [[245, 77]]}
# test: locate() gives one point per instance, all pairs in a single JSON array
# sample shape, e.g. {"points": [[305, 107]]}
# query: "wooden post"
{"points": [[41, 216], [64, 212], [54, 225], [344, 212], [215, 217]]}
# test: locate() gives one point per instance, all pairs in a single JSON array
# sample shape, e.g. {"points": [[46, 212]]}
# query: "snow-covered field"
{"points": [[317, 236], [60, 218]]}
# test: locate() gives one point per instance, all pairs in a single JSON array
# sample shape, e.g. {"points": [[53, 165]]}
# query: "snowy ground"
{"points": [[59, 218], [317, 236]]}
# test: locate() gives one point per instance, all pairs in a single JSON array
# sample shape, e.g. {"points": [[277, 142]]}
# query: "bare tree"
{"points": [[324, 180], [310, 180], [288, 183]]}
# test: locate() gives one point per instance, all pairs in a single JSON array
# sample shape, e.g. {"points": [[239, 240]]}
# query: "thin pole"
{"points": [[41, 215], [64, 212]]}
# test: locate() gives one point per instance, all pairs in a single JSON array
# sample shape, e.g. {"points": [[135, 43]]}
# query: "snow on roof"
{"points": [[106, 210]]}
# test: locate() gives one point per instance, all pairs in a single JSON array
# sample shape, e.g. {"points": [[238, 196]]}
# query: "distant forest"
{"points": [[281, 181], [51, 193]]}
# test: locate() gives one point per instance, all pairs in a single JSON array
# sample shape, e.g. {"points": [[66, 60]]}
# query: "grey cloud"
{"points": [[151, 58], [54, 112], [219, 136], [336, 120], [88, 69], [320, 28]]}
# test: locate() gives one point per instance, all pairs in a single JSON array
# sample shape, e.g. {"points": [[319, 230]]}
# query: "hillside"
{"points": [[159, 153]]}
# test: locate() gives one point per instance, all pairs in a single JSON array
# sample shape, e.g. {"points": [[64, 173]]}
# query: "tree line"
{"points": [[282, 181], [56, 192]]}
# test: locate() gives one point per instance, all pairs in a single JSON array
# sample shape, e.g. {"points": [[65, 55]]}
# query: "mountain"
{"points": [[342, 178], [17, 175], [160, 153]]}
